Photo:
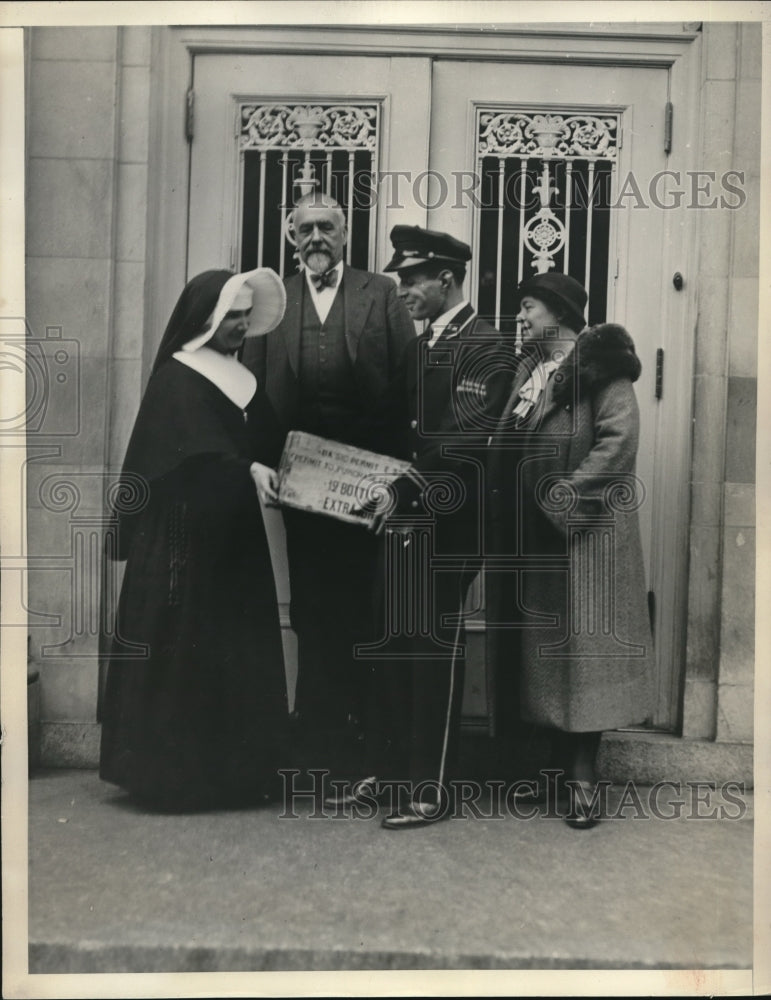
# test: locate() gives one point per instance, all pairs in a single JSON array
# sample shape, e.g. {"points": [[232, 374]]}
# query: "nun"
{"points": [[194, 711]]}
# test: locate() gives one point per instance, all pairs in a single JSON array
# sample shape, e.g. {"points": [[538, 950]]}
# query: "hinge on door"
{"points": [[668, 112], [190, 114], [659, 372]]}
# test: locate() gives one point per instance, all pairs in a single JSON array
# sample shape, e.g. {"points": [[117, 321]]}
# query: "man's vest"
{"points": [[329, 402]]}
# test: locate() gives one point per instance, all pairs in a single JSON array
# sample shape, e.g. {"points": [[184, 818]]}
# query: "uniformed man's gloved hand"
{"points": [[392, 508]]}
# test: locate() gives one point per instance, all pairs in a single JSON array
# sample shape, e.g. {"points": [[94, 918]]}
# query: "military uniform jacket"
{"points": [[438, 414]]}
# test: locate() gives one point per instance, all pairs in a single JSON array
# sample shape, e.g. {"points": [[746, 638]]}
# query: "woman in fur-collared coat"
{"points": [[568, 609]]}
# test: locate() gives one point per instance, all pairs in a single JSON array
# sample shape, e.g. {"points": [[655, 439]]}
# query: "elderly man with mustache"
{"points": [[323, 369]]}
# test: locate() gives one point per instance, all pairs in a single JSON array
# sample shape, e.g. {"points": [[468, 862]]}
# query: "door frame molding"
{"points": [[676, 47], [597, 44]]}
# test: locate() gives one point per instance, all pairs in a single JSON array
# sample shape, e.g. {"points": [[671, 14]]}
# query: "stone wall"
{"points": [[87, 115], [718, 699]]}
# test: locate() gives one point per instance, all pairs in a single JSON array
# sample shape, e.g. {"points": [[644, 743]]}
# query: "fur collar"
{"points": [[601, 354]]}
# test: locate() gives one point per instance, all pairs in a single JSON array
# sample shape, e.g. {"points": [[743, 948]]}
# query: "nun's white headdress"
{"points": [[262, 289]]}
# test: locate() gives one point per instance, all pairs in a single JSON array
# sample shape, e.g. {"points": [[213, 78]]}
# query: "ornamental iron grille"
{"points": [[287, 150], [546, 179]]}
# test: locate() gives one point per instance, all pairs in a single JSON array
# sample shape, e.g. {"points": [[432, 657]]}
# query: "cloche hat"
{"points": [[560, 290]]}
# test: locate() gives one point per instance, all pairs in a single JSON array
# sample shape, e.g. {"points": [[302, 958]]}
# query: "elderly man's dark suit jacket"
{"points": [[378, 328], [331, 563]]}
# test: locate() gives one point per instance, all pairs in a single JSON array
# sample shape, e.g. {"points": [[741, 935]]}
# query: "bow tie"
{"points": [[328, 279]]}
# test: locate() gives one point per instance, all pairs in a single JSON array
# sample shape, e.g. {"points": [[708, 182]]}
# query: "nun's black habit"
{"points": [[200, 719]]}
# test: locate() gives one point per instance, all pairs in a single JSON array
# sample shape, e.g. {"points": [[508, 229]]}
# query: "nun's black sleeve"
{"points": [[186, 424]]}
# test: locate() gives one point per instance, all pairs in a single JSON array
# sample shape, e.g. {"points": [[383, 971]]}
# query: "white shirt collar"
{"points": [[223, 370], [323, 298], [442, 322]]}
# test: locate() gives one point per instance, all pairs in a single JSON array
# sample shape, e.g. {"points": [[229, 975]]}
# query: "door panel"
{"points": [[254, 111], [606, 125], [314, 108]]}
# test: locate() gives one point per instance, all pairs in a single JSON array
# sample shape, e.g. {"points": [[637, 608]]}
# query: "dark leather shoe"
{"points": [[414, 814], [349, 794], [584, 812]]}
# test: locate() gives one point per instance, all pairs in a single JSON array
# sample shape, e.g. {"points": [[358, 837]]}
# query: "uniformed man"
{"points": [[439, 413]]}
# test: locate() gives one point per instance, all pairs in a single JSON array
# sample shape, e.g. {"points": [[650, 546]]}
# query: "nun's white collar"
{"points": [[223, 370]]}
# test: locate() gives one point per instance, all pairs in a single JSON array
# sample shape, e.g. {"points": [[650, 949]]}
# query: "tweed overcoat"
{"points": [[563, 502]]}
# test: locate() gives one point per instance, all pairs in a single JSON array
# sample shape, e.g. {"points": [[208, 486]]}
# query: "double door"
{"points": [[535, 165]]}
